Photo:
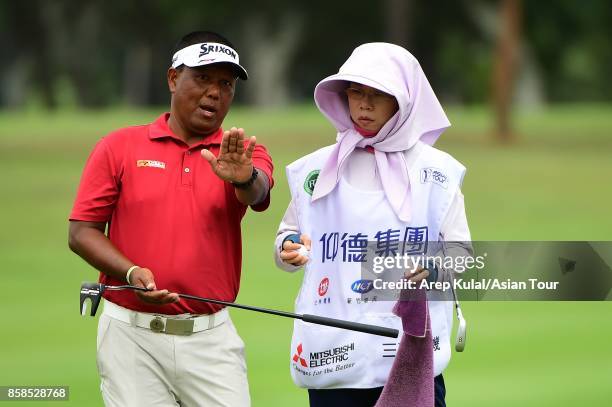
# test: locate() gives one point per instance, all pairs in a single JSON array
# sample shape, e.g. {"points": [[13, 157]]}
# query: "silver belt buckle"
{"points": [[179, 326]]}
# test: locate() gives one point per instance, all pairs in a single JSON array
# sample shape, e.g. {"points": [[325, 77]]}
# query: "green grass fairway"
{"points": [[552, 184]]}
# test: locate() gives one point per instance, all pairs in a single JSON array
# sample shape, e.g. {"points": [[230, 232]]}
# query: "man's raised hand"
{"points": [[234, 163]]}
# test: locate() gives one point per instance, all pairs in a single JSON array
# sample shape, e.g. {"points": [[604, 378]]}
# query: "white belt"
{"points": [[183, 324]]}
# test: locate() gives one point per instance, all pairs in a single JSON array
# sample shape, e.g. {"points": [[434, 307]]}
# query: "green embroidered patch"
{"points": [[311, 180]]}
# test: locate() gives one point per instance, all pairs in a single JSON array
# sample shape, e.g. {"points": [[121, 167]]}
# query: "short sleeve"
{"points": [[99, 187], [263, 162]]}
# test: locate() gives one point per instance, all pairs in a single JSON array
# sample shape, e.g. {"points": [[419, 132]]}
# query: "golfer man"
{"points": [[159, 206]]}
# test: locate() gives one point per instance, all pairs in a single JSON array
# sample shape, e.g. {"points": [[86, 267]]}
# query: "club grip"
{"points": [[353, 326]]}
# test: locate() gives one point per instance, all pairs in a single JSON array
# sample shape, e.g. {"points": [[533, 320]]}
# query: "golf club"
{"points": [[461, 329], [94, 291]]}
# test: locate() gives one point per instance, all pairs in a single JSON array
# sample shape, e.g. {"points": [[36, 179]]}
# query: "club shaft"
{"points": [[353, 326], [314, 319], [241, 306]]}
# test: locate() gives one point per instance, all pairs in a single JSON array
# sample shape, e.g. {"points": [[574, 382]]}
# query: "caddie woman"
{"points": [[382, 182]]}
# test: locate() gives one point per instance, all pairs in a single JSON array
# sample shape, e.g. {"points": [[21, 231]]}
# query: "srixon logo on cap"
{"points": [[208, 48]]}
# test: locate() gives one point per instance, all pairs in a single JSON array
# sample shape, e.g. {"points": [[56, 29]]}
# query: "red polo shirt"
{"points": [[169, 212]]}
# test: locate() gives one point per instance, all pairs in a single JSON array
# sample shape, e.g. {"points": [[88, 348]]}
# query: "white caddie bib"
{"points": [[340, 225]]}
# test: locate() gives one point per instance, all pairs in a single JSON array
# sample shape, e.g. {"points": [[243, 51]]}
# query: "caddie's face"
{"points": [[370, 108], [201, 96]]}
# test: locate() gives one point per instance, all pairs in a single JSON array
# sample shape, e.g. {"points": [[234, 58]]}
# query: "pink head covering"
{"points": [[393, 70]]}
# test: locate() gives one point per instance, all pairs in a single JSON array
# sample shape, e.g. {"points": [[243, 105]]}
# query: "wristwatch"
{"points": [[246, 184]]}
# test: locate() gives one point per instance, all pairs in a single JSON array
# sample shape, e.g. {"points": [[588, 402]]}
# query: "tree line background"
{"points": [[92, 53]]}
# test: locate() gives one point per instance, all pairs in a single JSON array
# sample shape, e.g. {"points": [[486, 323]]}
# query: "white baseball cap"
{"points": [[206, 53]]}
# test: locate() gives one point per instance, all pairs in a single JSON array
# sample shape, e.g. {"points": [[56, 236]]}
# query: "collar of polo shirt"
{"points": [[206, 53]]}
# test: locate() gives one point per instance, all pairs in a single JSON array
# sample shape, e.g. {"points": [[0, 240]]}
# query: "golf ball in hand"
{"points": [[303, 251]]}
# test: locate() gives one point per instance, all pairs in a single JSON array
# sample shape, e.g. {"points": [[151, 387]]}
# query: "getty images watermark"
{"points": [[457, 264], [491, 271]]}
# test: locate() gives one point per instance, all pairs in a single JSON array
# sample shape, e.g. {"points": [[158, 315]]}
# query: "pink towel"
{"points": [[411, 380]]}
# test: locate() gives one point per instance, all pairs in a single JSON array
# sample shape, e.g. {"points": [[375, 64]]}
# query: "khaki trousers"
{"points": [[139, 367]]}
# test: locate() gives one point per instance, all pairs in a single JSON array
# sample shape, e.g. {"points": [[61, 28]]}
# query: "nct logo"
{"points": [[362, 286]]}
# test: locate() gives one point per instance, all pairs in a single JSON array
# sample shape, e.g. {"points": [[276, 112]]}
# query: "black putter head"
{"points": [[93, 291]]}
